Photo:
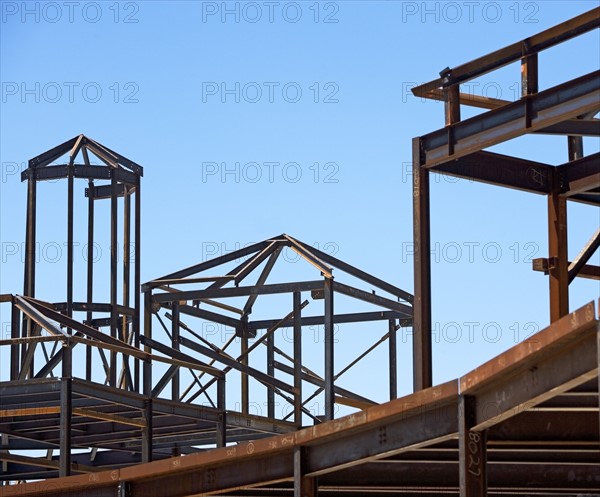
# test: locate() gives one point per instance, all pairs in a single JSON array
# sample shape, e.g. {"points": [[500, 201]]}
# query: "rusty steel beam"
{"points": [[541, 41], [422, 322], [536, 112]]}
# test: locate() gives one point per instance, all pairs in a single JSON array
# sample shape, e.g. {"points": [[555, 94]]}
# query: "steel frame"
{"points": [[457, 149], [524, 423], [516, 425], [132, 417]]}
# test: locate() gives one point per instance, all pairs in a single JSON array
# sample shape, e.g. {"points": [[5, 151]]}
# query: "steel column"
{"points": [[529, 74], [137, 279], [70, 186], [304, 486], [329, 352], [90, 275], [452, 104], [14, 334], [472, 451], [124, 325], [113, 273], [245, 380], [558, 251], [422, 368], [221, 428], [270, 372], [298, 359], [30, 260], [175, 345], [393, 357], [66, 411]]}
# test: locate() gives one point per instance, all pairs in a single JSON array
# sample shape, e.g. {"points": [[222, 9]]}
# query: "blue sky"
{"points": [[207, 95]]}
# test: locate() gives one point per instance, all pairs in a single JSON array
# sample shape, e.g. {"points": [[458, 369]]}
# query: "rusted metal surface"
{"points": [[411, 444]]}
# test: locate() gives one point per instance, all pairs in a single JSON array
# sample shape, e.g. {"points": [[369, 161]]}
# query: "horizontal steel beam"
{"points": [[241, 291], [357, 317], [553, 36], [538, 111]]}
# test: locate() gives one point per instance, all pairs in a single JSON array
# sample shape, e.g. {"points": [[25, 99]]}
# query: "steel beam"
{"points": [[422, 366], [328, 289], [472, 451], [552, 106], [558, 249]]}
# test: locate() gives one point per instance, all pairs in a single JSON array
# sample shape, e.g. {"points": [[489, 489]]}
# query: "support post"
{"points": [[422, 369], [113, 274], [147, 380], [175, 344], [558, 269], [70, 222], [14, 333], [393, 355], [271, 372], [66, 411], [124, 325], [244, 376], [472, 451], [529, 74], [30, 259], [221, 428], [298, 359], [304, 486], [137, 278], [147, 429], [452, 104], [90, 276], [329, 353]]}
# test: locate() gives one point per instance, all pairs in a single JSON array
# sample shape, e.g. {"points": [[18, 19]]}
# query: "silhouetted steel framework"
{"points": [[525, 423], [121, 419]]}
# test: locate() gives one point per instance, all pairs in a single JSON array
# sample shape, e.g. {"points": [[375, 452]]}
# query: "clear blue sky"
{"points": [[205, 98]]}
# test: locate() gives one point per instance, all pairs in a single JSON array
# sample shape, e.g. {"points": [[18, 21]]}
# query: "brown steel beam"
{"points": [[536, 112], [558, 248], [422, 323], [553, 36], [500, 170]]}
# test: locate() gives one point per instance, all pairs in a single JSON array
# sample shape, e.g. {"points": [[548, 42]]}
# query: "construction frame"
{"points": [[525, 423]]}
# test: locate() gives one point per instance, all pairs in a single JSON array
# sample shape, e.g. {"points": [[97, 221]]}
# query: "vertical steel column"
{"points": [[175, 341], [422, 369], [472, 451], [14, 333], [147, 430], [30, 259], [126, 278], [452, 104], [70, 242], [113, 273], [298, 359], [393, 354], [529, 73], [244, 376], [66, 410], [30, 234], [558, 263], [137, 278], [221, 428], [90, 275], [303, 486], [271, 372], [329, 353]]}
